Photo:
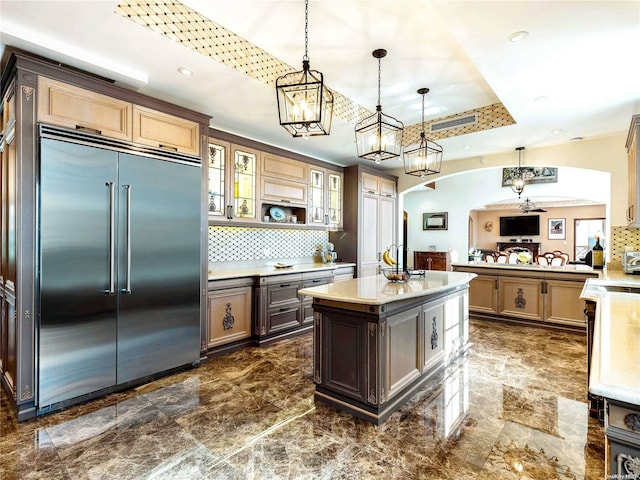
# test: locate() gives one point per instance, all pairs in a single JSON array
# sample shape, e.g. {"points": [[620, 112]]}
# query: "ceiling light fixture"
{"points": [[305, 104], [517, 182], [185, 71], [379, 136], [423, 157], [518, 36]]}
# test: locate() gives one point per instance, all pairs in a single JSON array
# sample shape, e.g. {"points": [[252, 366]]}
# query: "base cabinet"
{"points": [[229, 315], [483, 294], [521, 297], [432, 261], [537, 295]]}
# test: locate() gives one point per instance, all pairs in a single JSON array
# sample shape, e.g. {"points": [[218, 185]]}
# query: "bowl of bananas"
{"points": [[395, 275]]}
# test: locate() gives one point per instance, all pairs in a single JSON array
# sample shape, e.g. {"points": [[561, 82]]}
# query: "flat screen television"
{"points": [[520, 226]]}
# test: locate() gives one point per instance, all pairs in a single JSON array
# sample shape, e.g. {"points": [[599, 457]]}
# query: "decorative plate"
{"points": [[278, 214]]}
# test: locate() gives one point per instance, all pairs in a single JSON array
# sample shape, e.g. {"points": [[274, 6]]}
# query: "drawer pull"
{"points": [[288, 309], [88, 129], [284, 285], [168, 147]]}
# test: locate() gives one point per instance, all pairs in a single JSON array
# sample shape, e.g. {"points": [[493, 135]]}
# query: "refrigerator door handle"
{"points": [[112, 239], [127, 289]]}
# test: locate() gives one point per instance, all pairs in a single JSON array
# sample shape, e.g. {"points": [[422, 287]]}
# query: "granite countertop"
{"points": [[615, 356], [530, 267], [226, 270], [377, 290]]}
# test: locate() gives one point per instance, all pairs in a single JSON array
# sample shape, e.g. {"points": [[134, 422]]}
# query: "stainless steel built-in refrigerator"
{"points": [[119, 265]]}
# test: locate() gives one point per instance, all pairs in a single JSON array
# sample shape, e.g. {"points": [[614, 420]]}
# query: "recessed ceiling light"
{"points": [[518, 36], [467, 147], [185, 71], [555, 131], [541, 99]]}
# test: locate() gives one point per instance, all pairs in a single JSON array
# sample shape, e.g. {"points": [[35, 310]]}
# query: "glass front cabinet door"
{"points": [[325, 197], [317, 197], [232, 182]]}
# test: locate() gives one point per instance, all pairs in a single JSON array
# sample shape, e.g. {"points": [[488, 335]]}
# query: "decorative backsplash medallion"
{"points": [[227, 244]]}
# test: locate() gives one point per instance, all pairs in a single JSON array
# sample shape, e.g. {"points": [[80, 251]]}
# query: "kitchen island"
{"points": [[614, 374], [376, 343]]}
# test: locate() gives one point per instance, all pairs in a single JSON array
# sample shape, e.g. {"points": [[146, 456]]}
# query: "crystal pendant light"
{"points": [[517, 183], [305, 104], [423, 157], [379, 136]]}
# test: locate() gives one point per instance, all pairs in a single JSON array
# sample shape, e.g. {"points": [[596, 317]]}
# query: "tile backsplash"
{"points": [[622, 237], [228, 244]]}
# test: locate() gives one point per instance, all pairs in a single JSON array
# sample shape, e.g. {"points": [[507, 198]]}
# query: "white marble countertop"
{"points": [[530, 267], [226, 270], [377, 290], [615, 355]]}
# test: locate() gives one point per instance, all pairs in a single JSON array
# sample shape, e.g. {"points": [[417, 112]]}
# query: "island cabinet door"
{"points": [[433, 335], [521, 297], [563, 303], [401, 352], [483, 294], [341, 364]]}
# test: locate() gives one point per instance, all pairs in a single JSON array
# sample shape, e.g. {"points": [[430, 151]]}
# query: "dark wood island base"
{"points": [[369, 359]]}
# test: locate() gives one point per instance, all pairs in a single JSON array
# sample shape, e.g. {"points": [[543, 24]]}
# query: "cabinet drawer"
{"points": [[162, 130], [280, 295], [73, 107], [283, 317]]}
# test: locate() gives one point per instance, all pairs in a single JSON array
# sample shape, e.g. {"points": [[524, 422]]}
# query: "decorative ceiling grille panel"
{"points": [[187, 27]]}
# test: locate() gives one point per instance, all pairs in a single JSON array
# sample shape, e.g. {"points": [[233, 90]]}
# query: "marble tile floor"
{"points": [[513, 408]]}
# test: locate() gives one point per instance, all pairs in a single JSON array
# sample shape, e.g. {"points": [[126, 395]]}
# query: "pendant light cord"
{"points": [[422, 131], [379, 70], [306, 30]]}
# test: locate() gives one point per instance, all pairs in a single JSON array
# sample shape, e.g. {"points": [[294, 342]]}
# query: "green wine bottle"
{"points": [[598, 255]]}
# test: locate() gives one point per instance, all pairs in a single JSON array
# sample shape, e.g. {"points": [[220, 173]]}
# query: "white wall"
{"points": [[460, 193]]}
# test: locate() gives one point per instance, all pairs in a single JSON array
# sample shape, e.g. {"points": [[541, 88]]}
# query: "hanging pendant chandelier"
{"points": [[305, 104], [423, 157], [517, 183], [379, 136]]}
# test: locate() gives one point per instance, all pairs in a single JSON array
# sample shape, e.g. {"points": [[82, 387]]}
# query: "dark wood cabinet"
{"points": [[534, 248], [432, 261]]}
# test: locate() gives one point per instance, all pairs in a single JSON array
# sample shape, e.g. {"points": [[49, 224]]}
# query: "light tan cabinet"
{"points": [[233, 177], [633, 154], [521, 297], [537, 295], [277, 166], [369, 220], [563, 303], [161, 130], [73, 107], [283, 180], [229, 315], [483, 294]]}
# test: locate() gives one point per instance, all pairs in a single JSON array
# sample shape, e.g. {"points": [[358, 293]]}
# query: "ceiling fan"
{"points": [[528, 206]]}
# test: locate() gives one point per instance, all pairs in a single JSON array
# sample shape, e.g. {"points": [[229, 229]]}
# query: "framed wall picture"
{"points": [[557, 229], [434, 221]]}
